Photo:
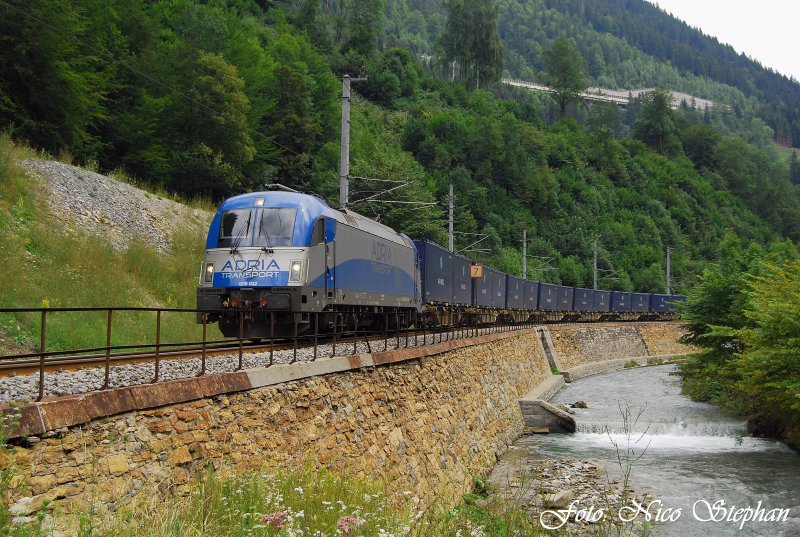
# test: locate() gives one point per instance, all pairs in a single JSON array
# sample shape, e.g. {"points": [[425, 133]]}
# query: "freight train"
{"points": [[276, 262]]}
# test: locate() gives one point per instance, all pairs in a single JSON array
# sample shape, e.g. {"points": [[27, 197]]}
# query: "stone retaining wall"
{"points": [[426, 420], [579, 345], [427, 425]]}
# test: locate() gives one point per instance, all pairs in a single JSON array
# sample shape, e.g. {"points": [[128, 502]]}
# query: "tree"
{"points": [[699, 143], [52, 90], [215, 138], [794, 169], [655, 125], [565, 72], [365, 23], [471, 42], [294, 127]]}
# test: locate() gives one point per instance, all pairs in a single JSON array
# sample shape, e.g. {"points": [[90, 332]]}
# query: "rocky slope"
{"points": [[115, 211]]}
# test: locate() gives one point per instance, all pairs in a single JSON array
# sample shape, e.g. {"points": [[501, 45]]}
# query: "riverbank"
{"points": [[682, 456]]}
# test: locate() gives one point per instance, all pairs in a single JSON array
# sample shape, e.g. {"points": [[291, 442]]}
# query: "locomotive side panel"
{"points": [[371, 270]]}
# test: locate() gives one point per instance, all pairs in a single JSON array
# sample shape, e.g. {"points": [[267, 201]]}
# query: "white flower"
{"points": [[298, 490]]}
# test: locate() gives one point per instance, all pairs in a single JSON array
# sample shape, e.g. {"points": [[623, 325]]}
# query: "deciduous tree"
{"points": [[471, 43], [565, 70]]}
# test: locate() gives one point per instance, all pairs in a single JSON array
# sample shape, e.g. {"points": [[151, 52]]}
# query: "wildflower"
{"points": [[348, 524], [298, 490], [276, 519]]}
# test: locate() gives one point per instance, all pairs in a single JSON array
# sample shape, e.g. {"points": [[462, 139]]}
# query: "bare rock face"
{"points": [[98, 205]]}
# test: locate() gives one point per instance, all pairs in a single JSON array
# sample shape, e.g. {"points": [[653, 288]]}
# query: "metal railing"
{"points": [[325, 333]]}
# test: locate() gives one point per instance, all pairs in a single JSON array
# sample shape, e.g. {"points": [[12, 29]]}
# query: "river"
{"points": [[694, 455]]}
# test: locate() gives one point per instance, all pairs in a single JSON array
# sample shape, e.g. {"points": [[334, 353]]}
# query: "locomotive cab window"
{"points": [[276, 227], [318, 234], [234, 228]]}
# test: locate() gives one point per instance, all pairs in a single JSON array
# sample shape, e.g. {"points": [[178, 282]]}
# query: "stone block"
{"points": [[180, 455]]}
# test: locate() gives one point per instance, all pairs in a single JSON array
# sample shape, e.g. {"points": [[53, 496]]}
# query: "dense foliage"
{"points": [[744, 313], [627, 44], [220, 97]]}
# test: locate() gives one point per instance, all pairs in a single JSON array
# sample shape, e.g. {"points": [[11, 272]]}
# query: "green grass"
{"points": [[784, 153], [47, 266], [299, 501]]}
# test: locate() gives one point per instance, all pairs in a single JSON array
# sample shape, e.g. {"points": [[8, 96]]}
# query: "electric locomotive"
{"points": [[274, 258], [279, 263]]}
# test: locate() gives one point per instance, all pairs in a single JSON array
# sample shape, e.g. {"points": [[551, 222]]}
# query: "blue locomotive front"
{"points": [[274, 259]]}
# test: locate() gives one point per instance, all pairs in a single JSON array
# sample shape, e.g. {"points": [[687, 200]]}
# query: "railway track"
{"points": [[57, 361], [74, 360]]}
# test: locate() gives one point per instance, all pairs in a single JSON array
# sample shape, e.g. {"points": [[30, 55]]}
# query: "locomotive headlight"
{"points": [[294, 272], [209, 274]]}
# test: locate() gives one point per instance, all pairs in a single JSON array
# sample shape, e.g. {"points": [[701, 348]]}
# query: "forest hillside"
{"points": [[221, 97]]}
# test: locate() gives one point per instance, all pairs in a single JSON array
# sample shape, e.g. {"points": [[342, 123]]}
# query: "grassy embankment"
{"points": [[301, 501], [45, 265]]}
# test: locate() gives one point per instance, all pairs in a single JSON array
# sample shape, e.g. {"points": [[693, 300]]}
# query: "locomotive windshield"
{"points": [[269, 227], [235, 226], [276, 227]]}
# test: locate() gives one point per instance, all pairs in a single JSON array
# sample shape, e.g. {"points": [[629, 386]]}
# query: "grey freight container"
{"points": [[583, 299], [601, 300], [620, 301], [483, 289], [640, 302], [659, 303], [664, 303], [548, 297], [565, 295], [515, 293], [498, 289], [462, 283], [436, 269], [531, 295], [674, 300]]}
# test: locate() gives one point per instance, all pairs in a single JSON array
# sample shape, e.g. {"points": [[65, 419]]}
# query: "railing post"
{"points": [[158, 346], [107, 379], [271, 337], [42, 347], [355, 333], [316, 334], [335, 323], [415, 320], [241, 339], [203, 348], [294, 339]]}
